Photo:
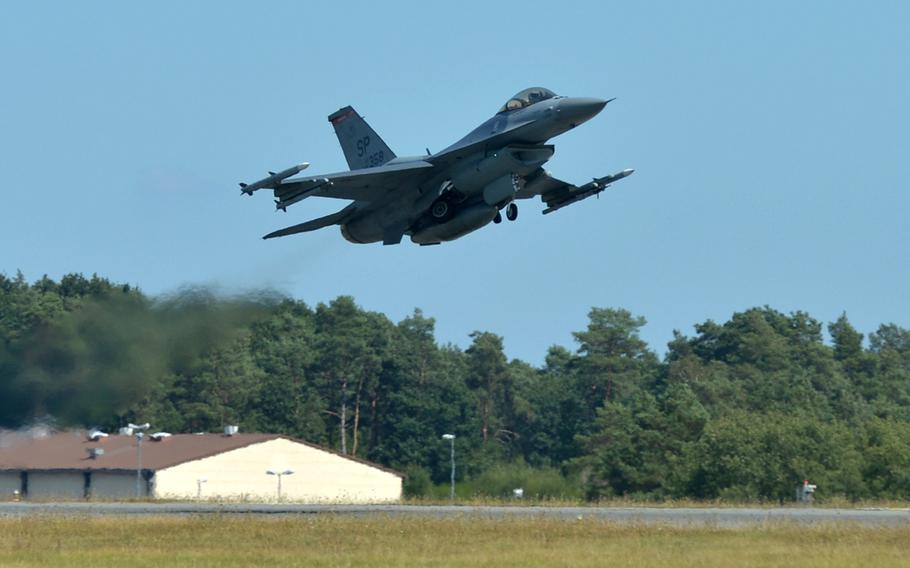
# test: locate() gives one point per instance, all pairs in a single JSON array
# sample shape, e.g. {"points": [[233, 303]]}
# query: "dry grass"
{"points": [[328, 540]]}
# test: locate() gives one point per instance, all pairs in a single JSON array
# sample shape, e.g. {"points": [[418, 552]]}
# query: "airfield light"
{"points": [[451, 439], [138, 428], [279, 474]]}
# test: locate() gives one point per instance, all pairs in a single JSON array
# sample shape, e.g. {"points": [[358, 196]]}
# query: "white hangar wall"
{"points": [[319, 476]]}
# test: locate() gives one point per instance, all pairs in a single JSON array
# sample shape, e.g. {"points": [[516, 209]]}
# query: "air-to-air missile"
{"points": [[589, 189], [273, 180]]}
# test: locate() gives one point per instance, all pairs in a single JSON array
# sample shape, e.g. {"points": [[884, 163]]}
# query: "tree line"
{"points": [[741, 410]]}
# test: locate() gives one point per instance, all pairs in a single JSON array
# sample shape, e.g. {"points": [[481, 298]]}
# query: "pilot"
{"points": [[514, 104]]}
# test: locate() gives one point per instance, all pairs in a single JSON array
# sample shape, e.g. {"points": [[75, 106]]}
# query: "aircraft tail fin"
{"points": [[363, 148]]}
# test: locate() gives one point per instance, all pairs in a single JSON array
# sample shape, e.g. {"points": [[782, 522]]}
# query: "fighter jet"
{"points": [[443, 196]]}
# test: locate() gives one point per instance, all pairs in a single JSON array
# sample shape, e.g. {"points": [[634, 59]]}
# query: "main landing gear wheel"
{"points": [[440, 209], [512, 212], [498, 218]]}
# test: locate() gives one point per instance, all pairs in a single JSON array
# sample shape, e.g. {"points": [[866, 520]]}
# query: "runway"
{"points": [[709, 516]]}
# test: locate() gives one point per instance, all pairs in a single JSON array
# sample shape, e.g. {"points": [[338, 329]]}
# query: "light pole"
{"points": [[138, 428], [451, 439], [199, 483], [279, 474]]}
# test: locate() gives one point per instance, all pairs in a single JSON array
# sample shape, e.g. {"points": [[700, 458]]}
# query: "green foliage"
{"points": [[886, 458], [417, 482], [540, 483], [750, 457], [640, 447], [744, 409]]}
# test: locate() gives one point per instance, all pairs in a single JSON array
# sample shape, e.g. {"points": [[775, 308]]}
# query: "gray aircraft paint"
{"points": [[362, 147], [443, 196]]}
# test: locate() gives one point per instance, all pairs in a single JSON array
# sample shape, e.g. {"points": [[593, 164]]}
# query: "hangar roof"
{"points": [[69, 451]]}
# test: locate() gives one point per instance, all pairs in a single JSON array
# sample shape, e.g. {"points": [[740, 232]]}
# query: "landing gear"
{"points": [[511, 212], [498, 218], [439, 210]]}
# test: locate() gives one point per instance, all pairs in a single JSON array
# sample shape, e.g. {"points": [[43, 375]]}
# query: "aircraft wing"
{"points": [[558, 194], [360, 185]]}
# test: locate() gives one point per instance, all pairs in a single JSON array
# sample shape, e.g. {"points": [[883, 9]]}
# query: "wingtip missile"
{"points": [[604, 181], [590, 189], [273, 179]]}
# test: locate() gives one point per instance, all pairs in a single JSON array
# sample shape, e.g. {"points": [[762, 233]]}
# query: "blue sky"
{"points": [[770, 141]]}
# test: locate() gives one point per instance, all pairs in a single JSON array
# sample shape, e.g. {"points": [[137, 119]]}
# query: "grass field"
{"points": [[400, 541]]}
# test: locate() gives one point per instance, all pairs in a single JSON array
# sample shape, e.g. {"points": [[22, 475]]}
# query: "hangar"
{"points": [[232, 466]]}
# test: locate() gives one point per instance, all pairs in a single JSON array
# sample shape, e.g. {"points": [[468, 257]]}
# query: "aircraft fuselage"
{"points": [[478, 184], [443, 196]]}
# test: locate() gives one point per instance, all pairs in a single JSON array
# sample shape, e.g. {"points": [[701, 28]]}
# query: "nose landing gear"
{"points": [[511, 211]]}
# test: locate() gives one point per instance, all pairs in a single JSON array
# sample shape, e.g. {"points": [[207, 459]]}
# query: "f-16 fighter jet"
{"points": [[443, 196]]}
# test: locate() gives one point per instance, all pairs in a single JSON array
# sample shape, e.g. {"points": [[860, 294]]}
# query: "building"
{"points": [[71, 465]]}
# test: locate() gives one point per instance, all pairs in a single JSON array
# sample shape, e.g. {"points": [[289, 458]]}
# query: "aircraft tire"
{"points": [[498, 218], [512, 212], [440, 210]]}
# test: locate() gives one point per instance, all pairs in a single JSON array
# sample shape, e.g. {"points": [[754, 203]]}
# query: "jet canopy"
{"points": [[527, 98]]}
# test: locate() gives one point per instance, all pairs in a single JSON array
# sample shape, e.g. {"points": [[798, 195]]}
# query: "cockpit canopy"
{"points": [[527, 98]]}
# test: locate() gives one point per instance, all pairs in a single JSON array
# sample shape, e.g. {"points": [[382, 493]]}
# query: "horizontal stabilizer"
{"points": [[333, 219]]}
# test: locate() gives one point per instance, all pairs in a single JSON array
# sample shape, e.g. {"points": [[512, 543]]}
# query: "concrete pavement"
{"points": [[709, 516]]}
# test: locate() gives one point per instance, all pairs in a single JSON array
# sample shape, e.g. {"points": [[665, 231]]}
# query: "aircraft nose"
{"points": [[579, 109]]}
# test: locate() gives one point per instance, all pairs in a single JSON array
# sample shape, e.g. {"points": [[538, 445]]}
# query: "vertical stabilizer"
{"points": [[363, 148]]}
